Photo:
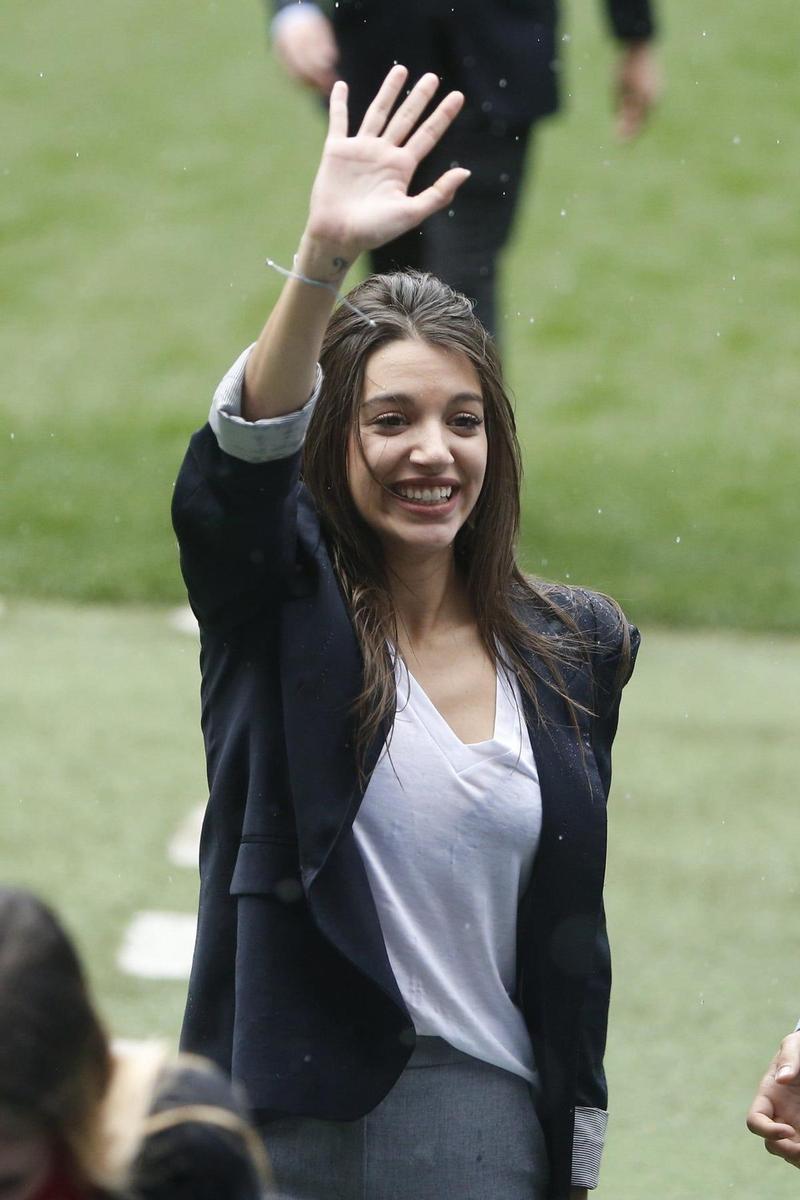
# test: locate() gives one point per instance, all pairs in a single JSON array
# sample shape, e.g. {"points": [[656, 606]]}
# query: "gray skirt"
{"points": [[452, 1126]]}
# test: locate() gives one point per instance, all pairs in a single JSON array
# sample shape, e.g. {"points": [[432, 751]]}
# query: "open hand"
{"points": [[360, 196], [775, 1112]]}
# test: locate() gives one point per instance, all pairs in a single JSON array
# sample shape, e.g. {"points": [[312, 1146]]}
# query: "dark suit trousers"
{"points": [[460, 245]]}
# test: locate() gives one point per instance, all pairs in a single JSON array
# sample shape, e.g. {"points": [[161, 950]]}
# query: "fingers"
{"points": [[378, 121], [437, 124], [411, 109], [631, 115], [377, 114], [785, 1148], [438, 194], [337, 110], [787, 1062], [763, 1125]]}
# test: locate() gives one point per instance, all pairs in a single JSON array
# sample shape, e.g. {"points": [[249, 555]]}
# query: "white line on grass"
{"points": [[184, 848], [183, 619], [158, 945]]}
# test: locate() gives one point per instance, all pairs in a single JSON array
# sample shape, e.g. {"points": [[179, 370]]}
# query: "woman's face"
{"points": [[24, 1163], [419, 470]]}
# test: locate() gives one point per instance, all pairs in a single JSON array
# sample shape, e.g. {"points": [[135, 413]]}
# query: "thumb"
{"points": [[787, 1063], [439, 193]]}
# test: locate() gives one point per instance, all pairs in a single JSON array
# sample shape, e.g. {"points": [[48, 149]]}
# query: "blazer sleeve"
{"points": [[631, 20], [616, 643], [236, 528]]}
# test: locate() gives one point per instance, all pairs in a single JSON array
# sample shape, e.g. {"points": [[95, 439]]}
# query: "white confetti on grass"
{"points": [[158, 945]]}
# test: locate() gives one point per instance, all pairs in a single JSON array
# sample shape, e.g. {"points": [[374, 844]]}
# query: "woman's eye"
{"points": [[467, 420], [393, 420]]}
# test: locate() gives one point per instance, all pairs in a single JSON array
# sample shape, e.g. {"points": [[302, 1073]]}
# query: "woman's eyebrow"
{"points": [[405, 398], [387, 398]]}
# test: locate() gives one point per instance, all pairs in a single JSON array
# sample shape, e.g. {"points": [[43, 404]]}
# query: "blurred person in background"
{"points": [[80, 1120], [775, 1112], [504, 56], [401, 948]]}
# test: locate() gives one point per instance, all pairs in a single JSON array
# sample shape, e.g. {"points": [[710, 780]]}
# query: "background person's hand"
{"points": [[637, 88], [360, 195], [775, 1112], [306, 47]]}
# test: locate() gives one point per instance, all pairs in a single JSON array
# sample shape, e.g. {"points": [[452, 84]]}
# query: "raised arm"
{"points": [[359, 201]]}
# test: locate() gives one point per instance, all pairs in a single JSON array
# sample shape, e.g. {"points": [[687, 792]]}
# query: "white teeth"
{"points": [[433, 495]]}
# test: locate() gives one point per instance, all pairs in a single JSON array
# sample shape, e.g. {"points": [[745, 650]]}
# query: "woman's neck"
{"points": [[429, 595]]}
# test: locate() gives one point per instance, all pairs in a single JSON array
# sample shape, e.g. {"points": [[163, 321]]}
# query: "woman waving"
{"points": [[401, 948]]}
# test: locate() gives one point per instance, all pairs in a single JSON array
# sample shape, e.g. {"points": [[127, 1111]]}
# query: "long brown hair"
{"points": [[414, 304]]}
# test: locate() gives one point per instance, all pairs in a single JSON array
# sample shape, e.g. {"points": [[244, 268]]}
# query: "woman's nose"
{"points": [[431, 448]]}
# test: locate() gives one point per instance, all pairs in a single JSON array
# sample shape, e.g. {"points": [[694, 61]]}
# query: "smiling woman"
{"points": [[417, 459], [408, 741]]}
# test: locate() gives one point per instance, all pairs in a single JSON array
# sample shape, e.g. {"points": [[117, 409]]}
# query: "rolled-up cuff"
{"points": [[587, 1146], [256, 441]]}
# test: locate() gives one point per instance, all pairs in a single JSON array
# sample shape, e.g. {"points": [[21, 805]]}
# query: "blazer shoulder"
{"points": [[611, 641]]}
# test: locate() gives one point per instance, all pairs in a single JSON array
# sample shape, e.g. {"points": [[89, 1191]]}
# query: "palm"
{"points": [[362, 190], [360, 195]]}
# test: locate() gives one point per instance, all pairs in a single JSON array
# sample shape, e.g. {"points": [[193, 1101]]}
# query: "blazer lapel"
{"points": [[571, 858], [320, 681]]}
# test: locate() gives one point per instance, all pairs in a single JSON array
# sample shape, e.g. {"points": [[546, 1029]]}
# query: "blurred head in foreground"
{"points": [[78, 1120], [55, 1064]]}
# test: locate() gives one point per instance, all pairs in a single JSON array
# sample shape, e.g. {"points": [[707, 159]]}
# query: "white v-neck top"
{"points": [[448, 833]]}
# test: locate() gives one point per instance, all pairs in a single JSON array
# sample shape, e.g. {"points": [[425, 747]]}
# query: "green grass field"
{"points": [[153, 157], [702, 881]]}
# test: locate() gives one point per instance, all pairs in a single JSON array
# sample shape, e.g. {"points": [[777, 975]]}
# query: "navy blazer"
{"points": [[291, 988], [503, 54]]}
